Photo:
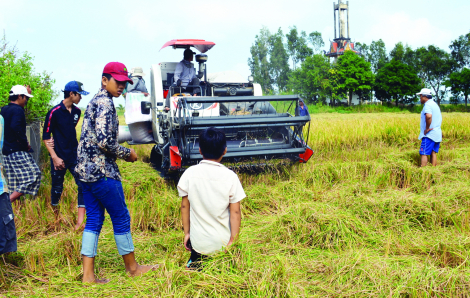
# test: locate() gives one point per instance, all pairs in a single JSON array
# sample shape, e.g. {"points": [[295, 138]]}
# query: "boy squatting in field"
{"points": [[431, 133], [211, 195], [23, 174], [99, 174], [61, 121]]}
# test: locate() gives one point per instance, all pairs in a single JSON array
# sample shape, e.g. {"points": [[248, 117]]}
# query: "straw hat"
{"points": [[137, 72]]}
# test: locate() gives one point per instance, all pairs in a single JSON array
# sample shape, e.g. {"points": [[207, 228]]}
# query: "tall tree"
{"points": [[259, 61], [398, 52], [459, 82], [292, 45], [304, 50], [316, 40], [434, 65], [297, 46], [363, 49], [312, 79], [278, 61], [460, 50], [377, 55], [354, 74], [405, 54], [397, 81], [334, 90]]}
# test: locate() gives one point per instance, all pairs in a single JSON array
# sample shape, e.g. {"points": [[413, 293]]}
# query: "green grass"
{"points": [[360, 219]]}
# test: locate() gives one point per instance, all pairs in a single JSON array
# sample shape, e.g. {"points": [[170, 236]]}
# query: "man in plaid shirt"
{"points": [[23, 174]]}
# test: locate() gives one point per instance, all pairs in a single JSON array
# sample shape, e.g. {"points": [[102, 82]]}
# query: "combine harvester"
{"points": [[258, 128]]}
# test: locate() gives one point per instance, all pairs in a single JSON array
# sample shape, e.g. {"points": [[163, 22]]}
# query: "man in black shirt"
{"points": [[23, 174], [61, 121]]}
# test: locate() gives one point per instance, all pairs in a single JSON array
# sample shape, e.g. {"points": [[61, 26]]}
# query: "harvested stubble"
{"points": [[360, 219]]}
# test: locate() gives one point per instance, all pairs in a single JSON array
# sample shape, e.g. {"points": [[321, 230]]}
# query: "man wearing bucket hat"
{"points": [[139, 84], [99, 174], [60, 138], [431, 134], [23, 174]]}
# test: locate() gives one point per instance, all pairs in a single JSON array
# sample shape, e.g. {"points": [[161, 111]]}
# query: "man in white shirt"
{"points": [[210, 206], [431, 134]]}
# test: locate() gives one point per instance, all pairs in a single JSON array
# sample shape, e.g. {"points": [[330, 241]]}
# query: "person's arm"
{"points": [[49, 143], [236, 195], [186, 220], [428, 123], [192, 74], [104, 134], [56, 160], [144, 88], [235, 221], [178, 72]]}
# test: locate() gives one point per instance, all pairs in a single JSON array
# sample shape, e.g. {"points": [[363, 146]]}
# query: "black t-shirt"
{"points": [[14, 129], [61, 124]]}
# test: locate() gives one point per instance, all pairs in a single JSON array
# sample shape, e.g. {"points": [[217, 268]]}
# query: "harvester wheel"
{"points": [[156, 159]]}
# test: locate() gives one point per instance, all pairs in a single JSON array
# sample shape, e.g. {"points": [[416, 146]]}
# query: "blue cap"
{"points": [[75, 86]]}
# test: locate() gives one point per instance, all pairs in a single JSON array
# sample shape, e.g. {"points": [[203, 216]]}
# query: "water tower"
{"points": [[342, 41]]}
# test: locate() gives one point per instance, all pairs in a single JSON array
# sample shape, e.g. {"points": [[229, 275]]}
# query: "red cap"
{"points": [[118, 71]]}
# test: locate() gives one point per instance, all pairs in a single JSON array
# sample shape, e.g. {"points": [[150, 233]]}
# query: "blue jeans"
{"points": [[57, 177], [106, 193]]}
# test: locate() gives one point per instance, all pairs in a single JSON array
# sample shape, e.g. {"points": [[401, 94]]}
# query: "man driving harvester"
{"points": [[185, 77]]}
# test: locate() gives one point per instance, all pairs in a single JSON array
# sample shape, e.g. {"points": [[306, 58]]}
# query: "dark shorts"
{"points": [[196, 259], [7, 225], [428, 146]]}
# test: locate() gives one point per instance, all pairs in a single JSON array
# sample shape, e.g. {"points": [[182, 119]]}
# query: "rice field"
{"points": [[360, 219]]}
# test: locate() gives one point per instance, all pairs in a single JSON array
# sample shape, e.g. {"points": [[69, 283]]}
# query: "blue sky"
{"points": [[75, 39]]}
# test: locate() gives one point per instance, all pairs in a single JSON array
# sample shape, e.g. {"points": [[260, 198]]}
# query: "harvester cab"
{"points": [[258, 128]]}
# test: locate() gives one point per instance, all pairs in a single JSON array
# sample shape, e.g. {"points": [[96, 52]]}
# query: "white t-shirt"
{"points": [[210, 188]]}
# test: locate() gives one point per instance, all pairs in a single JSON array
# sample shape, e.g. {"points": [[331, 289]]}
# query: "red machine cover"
{"points": [[200, 44]]}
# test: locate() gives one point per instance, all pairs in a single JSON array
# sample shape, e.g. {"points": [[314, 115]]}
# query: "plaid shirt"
{"points": [[98, 148], [3, 184]]}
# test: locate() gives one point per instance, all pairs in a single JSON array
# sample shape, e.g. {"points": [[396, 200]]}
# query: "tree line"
{"points": [[295, 62]]}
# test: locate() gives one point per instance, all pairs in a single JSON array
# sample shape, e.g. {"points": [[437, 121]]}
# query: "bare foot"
{"points": [[142, 269], [96, 281]]}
